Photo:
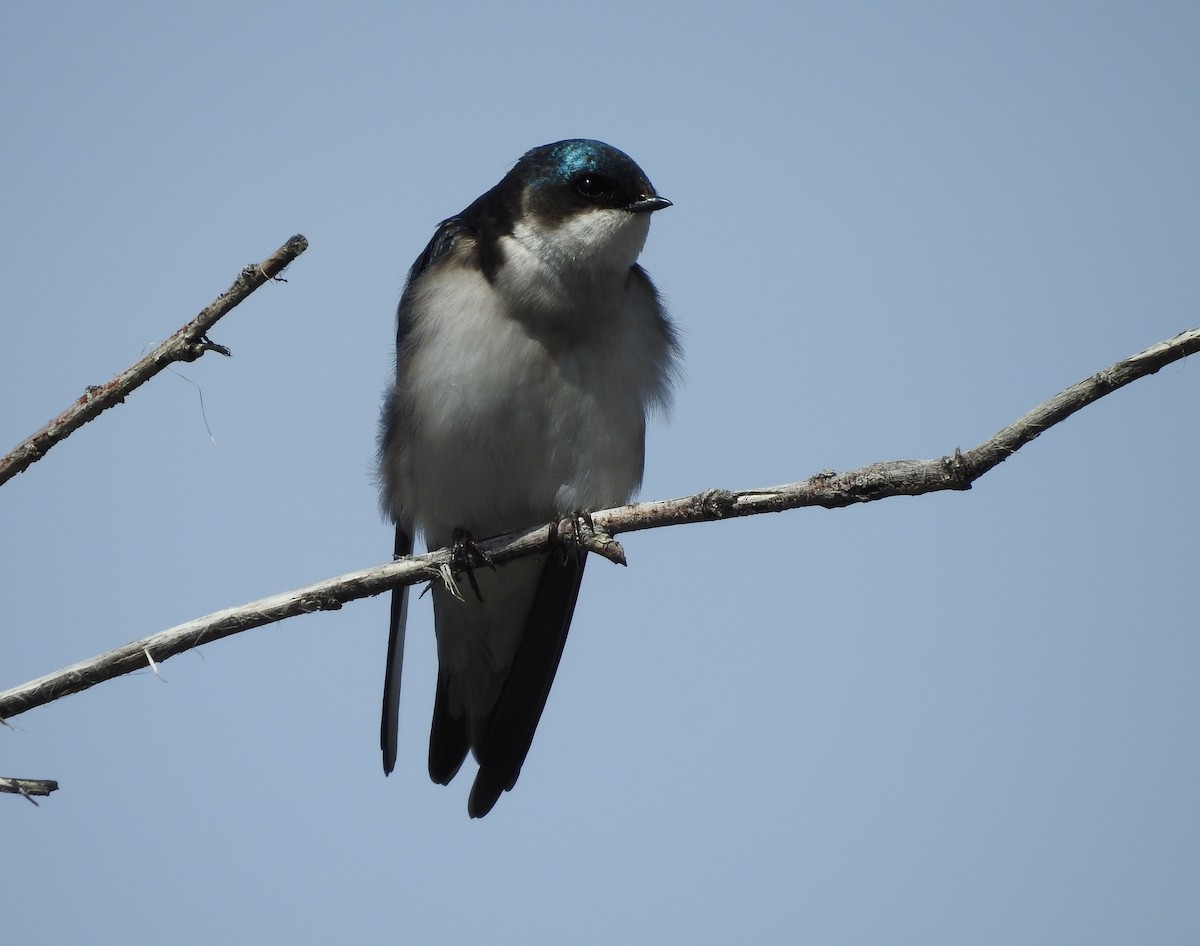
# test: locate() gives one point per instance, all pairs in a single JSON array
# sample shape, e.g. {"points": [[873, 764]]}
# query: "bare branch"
{"points": [[906, 477], [827, 489], [28, 786], [187, 344]]}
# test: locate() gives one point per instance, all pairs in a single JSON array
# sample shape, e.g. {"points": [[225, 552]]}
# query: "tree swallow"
{"points": [[530, 346]]}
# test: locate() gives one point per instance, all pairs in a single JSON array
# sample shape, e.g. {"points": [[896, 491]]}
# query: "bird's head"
{"points": [[585, 201]]}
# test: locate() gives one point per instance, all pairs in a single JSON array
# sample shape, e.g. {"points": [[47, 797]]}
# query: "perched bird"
{"points": [[529, 348]]}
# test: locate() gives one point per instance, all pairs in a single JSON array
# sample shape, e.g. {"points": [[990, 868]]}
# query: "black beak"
{"points": [[645, 205]]}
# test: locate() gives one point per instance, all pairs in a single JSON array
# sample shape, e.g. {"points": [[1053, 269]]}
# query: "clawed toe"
{"points": [[465, 557]]}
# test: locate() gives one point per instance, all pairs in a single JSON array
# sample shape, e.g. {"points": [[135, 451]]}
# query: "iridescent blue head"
{"points": [[572, 201], [578, 174]]}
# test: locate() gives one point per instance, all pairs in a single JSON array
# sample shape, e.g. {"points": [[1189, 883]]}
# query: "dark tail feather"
{"points": [[449, 740], [517, 712], [390, 724]]}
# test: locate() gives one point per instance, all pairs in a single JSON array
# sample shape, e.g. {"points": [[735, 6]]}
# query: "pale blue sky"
{"points": [[959, 719]]}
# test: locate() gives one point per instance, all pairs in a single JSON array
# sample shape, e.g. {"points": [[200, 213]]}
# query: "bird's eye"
{"points": [[594, 186]]}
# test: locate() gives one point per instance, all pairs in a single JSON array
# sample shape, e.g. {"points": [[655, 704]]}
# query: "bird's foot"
{"points": [[465, 557]]}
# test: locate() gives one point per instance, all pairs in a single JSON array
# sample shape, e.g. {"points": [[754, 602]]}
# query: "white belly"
{"points": [[514, 429]]}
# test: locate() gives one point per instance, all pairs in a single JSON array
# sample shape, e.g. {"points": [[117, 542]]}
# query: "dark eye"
{"points": [[594, 186]]}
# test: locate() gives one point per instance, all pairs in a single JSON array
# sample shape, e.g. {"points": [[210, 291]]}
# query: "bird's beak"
{"points": [[645, 205]]}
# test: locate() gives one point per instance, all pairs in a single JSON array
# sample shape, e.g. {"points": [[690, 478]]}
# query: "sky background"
{"points": [[961, 718]]}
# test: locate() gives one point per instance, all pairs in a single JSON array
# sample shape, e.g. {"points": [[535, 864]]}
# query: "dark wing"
{"points": [[519, 709], [389, 727], [441, 243]]}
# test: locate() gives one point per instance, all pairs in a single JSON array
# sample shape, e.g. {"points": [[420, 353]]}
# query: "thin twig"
{"points": [[830, 490], [187, 344], [28, 787]]}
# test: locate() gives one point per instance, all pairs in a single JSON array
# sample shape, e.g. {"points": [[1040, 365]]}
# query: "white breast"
{"points": [[526, 410]]}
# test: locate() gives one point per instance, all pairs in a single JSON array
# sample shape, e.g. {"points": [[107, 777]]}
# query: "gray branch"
{"points": [[27, 786], [187, 344], [956, 471]]}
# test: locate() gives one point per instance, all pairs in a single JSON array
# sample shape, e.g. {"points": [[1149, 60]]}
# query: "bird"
{"points": [[530, 349]]}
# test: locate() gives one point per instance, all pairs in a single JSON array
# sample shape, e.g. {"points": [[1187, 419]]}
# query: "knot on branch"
{"points": [[312, 603], [582, 533], [195, 349], [717, 503], [956, 470], [1106, 379]]}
